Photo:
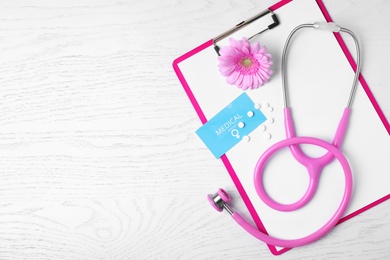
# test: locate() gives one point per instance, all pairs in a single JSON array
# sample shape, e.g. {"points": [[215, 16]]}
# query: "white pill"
{"points": [[257, 106], [250, 113], [266, 104], [271, 120], [263, 127], [270, 109], [246, 138], [241, 125], [267, 136]]}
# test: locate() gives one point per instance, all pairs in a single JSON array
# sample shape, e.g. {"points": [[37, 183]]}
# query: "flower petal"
{"points": [[248, 81], [246, 42], [255, 81], [226, 51], [263, 50], [255, 47], [261, 82], [240, 79], [226, 62], [232, 78], [226, 71], [233, 42]]}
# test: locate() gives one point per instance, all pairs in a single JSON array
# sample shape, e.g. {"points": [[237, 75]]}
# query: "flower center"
{"points": [[246, 62]]}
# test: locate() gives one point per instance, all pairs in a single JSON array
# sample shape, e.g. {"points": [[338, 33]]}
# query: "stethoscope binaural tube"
{"points": [[313, 165], [327, 27]]}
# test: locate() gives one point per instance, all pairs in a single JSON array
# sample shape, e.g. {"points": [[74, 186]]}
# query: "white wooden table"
{"points": [[98, 154]]}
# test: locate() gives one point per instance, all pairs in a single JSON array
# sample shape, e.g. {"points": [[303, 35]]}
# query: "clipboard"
{"points": [[368, 131]]}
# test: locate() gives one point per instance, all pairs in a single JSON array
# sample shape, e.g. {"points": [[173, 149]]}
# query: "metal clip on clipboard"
{"points": [[245, 23]]}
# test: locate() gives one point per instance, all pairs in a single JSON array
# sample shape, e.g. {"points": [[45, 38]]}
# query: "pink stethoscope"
{"points": [[314, 166]]}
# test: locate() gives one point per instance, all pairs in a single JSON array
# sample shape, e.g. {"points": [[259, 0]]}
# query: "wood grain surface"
{"points": [[98, 154]]}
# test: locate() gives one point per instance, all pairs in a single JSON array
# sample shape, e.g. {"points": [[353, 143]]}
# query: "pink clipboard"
{"points": [[225, 159]]}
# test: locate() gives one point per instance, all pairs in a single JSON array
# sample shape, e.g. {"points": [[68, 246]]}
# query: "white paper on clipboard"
{"points": [[319, 82]]}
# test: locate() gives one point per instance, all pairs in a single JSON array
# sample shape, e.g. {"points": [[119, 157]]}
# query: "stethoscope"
{"points": [[314, 166]]}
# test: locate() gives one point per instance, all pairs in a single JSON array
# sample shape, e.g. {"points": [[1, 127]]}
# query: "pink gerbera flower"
{"points": [[244, 65]]}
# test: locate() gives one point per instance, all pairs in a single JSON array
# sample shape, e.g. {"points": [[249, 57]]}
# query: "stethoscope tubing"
{"points": [[314, 166], [258, 177]]}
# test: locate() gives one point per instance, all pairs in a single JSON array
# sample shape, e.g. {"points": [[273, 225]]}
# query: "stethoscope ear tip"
{"points": [[224, 195], [219, 199]]}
